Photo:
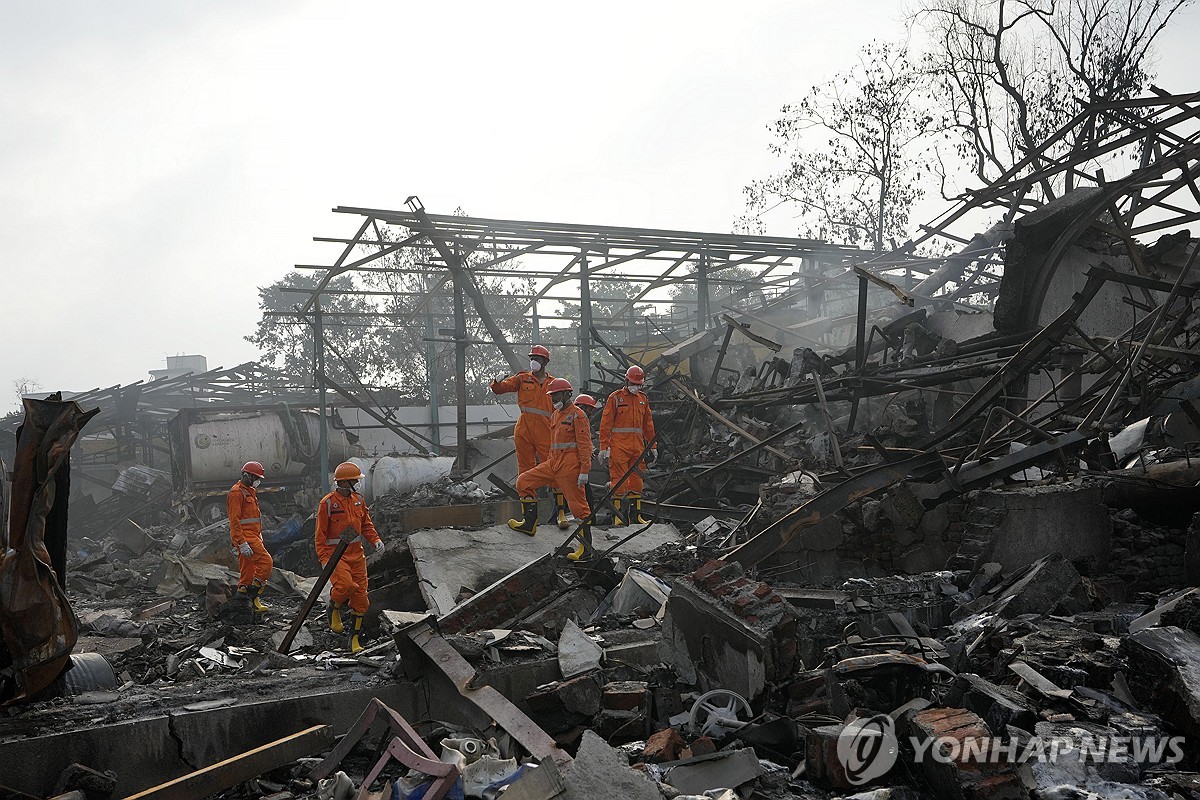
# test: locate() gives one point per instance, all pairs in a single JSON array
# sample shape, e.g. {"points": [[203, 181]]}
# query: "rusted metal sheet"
{"points": [[38, 626]]}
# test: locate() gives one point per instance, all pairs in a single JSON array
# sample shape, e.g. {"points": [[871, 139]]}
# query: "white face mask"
{"points": [[534, 366], [256, 482], [634, 389], [558, 404]]}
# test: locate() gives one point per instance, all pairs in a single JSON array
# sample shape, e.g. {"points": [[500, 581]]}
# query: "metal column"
{"points": [[460, 358], [319, 357], [702, 293], [431, 375], [585, 323]]}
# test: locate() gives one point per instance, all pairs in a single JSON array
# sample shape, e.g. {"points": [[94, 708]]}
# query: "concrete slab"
{"points": [[146, 752], [448, 558]]}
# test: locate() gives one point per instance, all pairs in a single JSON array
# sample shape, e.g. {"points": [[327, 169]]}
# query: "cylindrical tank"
{"points": [[400, 474], [220, 447], [340, 448]]}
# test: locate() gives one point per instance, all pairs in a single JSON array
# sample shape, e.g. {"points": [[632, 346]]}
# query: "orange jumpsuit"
{"points": [[245, 525], [625, 426], [334, 515], [570, 457], [532, 434]]}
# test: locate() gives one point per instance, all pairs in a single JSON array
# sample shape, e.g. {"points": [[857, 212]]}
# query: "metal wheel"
{"points": [[718, 712]]}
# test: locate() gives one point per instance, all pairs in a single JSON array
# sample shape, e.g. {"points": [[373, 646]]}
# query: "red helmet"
{"points": [[635, 375], [539, 350], [585, 400], [559, 385], [254, 468]]}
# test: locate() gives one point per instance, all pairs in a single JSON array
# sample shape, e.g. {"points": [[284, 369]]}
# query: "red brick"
{"points": [[663, 746], [742, 602], [762, 591], [707, 569]]}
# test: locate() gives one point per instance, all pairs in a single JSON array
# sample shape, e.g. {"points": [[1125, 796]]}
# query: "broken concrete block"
{"points": [[624, 695], [958, 771], [824, 766], [662, 746], [505, 600], [577, 653], [727, 769], [1039, 588], [1079, 742], [999, 706], [579, 695], [598, 765], [621, 726], [1165, 674], [93, 784], [723, 630]]}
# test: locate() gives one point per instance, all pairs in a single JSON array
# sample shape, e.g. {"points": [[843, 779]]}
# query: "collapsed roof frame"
{"points": [[651, 257], [579, 254]]}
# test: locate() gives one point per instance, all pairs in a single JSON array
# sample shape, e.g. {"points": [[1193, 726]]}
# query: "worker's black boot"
{"points": [[355, 644], [619, 513], [560, 511], [335, 620], [583, 544], [635, 510], [257, 604], [528, 525]]}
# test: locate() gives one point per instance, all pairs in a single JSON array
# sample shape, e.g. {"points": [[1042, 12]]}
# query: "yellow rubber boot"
{"points": [[335, 620], [618, 514], [528, 526], [583, 546], [258, 605], [355, 644], [560, 506], [634, 510]]}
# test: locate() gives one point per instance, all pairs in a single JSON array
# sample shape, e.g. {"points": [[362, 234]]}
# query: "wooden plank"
{"points": [[243, 767]]}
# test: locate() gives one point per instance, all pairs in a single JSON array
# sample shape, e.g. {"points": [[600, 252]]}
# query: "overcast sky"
{"points": [[159, 160]]}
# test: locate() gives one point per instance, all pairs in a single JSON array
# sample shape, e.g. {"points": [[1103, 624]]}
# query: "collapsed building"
{"points": [[920, 521]]}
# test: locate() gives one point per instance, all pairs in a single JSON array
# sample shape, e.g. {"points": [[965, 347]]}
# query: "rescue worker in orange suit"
{"points": [[626, 425], [567, 468], [343, 514], [588, 404], [532, 434], [245, 534]]}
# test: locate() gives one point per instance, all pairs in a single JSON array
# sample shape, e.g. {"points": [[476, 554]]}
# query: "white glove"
{"points": [[583, 479], [498, 378], [378, 548], [244, 550], [603, 456]]}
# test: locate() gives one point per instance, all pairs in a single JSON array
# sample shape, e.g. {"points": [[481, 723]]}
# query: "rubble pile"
{"points": [[922, 527]]}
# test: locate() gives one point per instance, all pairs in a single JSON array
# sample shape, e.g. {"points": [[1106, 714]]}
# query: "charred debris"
{"points": [[956, 503]]}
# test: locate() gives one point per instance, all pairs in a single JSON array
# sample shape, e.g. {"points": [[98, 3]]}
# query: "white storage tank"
{"points": [[367, 465], [400, 474], [220, 447]]}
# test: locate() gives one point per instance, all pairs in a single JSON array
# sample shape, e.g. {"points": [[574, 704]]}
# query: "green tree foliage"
{"points": [[856, 151]]}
